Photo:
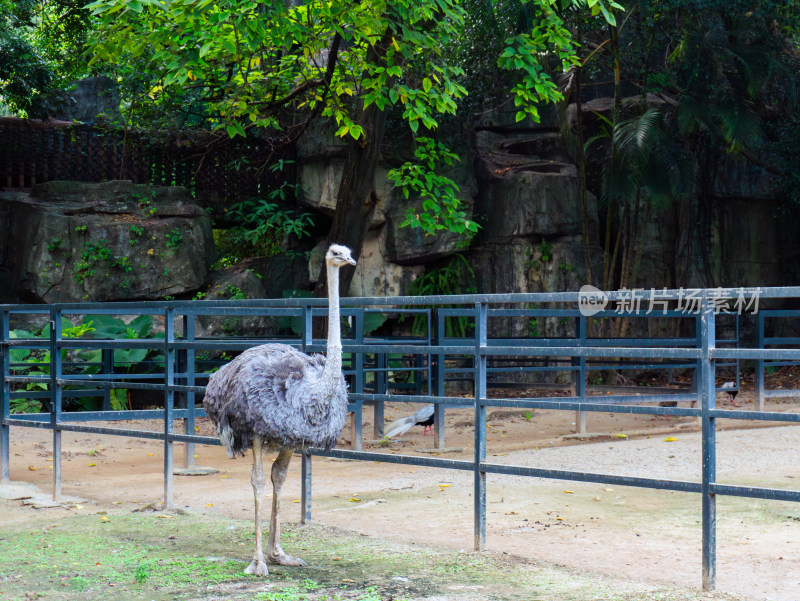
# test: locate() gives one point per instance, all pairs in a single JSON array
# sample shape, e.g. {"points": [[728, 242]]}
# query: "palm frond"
{"points": [[739, 128]]}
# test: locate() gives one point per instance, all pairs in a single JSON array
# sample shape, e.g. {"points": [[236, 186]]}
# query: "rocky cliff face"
{"points": [[739, 234], [72, 241]]}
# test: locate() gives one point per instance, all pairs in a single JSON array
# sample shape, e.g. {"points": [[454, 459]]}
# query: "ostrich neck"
{"points": [[333, 364]]}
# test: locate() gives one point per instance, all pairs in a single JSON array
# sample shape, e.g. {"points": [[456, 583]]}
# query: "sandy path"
{"points": [[652, 536]]}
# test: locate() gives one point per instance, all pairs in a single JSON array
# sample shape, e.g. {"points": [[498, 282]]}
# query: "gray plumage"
{"points": [[273, 396], [270, 390], [423, 417]]}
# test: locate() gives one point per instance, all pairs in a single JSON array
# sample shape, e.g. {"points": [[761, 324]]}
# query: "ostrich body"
{"points": [[423, 417], [275, 397]]}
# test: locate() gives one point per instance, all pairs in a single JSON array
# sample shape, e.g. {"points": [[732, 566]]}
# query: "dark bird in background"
{"points": [[727, 387], [275, 397], [423, 417]]}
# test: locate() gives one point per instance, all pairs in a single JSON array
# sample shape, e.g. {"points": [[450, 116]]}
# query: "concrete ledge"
{"points": [[28, 494], [195, 471]]}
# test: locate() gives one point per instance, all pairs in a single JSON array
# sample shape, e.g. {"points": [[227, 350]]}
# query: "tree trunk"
{"points": [[356, 200], [581, 157]]}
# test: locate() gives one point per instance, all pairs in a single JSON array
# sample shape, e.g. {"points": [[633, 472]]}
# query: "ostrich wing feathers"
{"points": [[272, 390]]}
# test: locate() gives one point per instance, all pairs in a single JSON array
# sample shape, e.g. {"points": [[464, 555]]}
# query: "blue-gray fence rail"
{"points": [[426, 360]]}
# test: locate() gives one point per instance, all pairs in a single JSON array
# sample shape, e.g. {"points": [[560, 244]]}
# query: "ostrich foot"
{"points": [[286, 560], [257, 567]]}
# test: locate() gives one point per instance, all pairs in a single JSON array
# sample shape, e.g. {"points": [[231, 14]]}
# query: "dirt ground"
{"points": [[638, 534]]}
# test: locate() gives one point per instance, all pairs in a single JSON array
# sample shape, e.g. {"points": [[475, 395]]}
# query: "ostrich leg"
{"points": [[258, 566], [274, 550]]}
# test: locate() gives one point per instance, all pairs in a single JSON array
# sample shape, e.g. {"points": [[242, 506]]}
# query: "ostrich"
{"points": [[423, 417], [273, 396]]}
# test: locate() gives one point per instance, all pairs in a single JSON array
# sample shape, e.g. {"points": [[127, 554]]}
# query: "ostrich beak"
{"points": [[351, 260]]}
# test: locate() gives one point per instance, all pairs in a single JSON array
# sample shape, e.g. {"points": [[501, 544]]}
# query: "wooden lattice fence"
{"points": [[216, 168]]}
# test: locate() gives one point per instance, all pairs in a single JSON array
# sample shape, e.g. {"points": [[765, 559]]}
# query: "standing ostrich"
{"points": [[273, 396]]}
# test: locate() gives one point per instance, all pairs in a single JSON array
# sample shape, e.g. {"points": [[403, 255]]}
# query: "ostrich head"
{"points": [[339, 256]]}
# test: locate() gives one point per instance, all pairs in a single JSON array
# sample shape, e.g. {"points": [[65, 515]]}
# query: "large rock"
{"points": [[113, 241], [413, 246], [237, 283], [528, 265], [280, 275], [376, 276], [605, 106], [737, 178], [319, 186], [524, 194]]}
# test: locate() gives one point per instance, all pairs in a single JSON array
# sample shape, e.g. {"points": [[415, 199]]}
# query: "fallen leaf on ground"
{"points": [[670, 439], [569, 492], [355, 500]]}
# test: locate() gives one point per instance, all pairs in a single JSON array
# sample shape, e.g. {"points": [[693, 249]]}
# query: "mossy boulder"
{"points": [[73, 241]]}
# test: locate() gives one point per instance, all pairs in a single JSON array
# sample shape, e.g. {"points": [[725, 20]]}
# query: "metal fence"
{"points": [[212, 166], [422, 366]]}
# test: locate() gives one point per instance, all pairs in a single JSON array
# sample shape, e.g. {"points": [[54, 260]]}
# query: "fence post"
{"points": [[169, 401], [305, 488], [108, 364], [480, 426], [55, 397], [707, 388], [579, 377], [305, 461], [438, 378], [5, 370], [188, 422], [758, 391], [358, 380]]}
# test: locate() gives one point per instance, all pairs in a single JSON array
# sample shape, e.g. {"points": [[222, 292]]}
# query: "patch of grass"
{"points": [[141, 573], [291, 594], [146, 556]]}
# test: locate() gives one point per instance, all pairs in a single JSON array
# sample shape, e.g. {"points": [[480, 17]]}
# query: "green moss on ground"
{"points": [[150, 556]]}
